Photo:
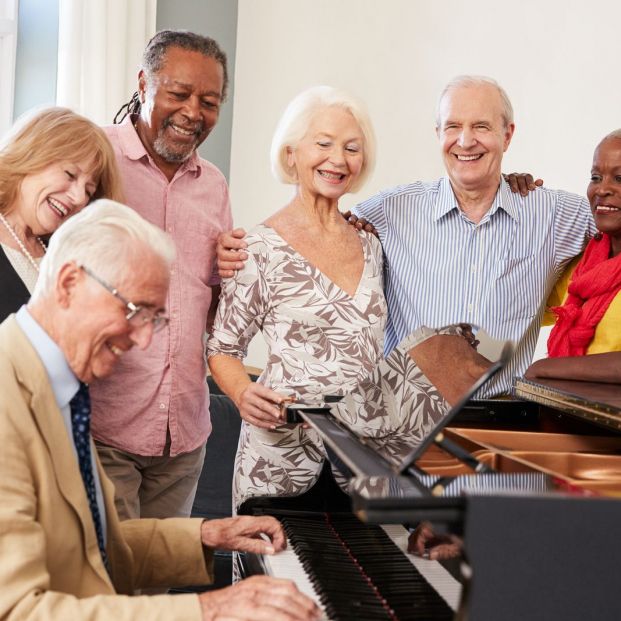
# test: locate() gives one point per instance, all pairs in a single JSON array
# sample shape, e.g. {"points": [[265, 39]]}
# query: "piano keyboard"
{"points": [[357, 571]]}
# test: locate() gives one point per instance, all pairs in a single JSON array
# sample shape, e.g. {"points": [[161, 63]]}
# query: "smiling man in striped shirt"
{"points": [[465, 248]]}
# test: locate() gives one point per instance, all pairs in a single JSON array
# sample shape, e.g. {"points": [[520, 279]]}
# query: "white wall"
{"points": [[216, 19], [557, 59]]}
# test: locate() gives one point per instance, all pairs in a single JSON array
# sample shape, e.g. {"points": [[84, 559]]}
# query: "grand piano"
{"points": [[530, 486]]}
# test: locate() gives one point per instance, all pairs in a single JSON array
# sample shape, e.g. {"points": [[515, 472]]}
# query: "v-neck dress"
{"points": [[320, 339]]}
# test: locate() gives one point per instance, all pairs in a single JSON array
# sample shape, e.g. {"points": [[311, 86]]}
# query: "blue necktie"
{"points": [[80, 407]]}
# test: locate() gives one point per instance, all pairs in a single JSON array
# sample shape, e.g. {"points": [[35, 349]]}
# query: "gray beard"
{"points": [[161, 147]]}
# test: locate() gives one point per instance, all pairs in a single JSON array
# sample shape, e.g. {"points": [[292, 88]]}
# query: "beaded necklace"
{"points": [[18, 241]]}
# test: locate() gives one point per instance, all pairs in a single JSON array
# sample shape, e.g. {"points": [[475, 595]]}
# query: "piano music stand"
{"points": [[362, 460], [435, 436]]}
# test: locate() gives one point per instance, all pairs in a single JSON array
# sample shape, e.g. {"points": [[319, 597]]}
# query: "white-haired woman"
{"points": [[313, 285]]}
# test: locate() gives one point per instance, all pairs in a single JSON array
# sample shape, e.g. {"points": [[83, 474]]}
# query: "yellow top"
{"points": [[607, 335]]}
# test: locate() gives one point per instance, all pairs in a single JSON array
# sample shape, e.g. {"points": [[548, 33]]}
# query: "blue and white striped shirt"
{"points": [[442, 269]]}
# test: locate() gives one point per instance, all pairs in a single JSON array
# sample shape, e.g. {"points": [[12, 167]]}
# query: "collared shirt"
{"points": [[441, 268], [64, 385], [164, 386]]}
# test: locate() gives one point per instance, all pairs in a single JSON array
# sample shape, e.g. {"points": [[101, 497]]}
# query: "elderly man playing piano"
{"points": [[65, 554]]}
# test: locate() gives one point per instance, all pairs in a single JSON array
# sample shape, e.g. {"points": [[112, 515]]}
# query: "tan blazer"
{"points": [[50, 565]]}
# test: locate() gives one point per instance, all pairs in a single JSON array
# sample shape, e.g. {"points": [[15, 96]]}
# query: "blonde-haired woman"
{"points": [[52, 164]]}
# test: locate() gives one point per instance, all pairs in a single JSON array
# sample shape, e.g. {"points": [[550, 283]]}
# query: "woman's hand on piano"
{"points": [[260, 598], [259, 535], [260, 405], [425, 542]]}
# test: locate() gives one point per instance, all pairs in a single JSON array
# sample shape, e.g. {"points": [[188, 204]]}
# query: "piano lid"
{"points": [[596, 402]]}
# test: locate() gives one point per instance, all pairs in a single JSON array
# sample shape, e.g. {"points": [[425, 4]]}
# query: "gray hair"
{"points": [[155, 52], [105, 236], [296, 119], [154, 58], [469, 81]]}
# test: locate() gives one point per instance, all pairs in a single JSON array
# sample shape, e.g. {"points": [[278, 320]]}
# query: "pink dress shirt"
{"points": [[164, 386]]}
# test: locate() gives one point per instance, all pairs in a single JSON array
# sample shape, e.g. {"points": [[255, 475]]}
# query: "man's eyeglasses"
{"points": [[138, 316]]}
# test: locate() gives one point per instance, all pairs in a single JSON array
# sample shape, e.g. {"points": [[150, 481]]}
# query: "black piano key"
{"points": [[359, 573]]}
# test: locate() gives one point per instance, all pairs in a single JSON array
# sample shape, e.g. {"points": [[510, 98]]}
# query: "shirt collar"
{"points": [[508, 201], [505, 199], [132, 146], [445, 200], [62, 379]]}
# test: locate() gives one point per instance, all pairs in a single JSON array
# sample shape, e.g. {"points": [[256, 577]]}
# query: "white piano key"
{"points": [[286, 564], [437, 576]]}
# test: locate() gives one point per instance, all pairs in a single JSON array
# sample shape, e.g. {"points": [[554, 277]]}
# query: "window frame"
{"points": [[8, 54]]}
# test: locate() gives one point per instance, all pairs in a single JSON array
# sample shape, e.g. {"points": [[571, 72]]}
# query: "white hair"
{"points": [[105, 236], [294, 123], [469, 81]]}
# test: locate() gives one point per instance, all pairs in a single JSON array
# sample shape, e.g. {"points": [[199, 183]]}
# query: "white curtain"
{"points": [[8, 49], [100, 45]]}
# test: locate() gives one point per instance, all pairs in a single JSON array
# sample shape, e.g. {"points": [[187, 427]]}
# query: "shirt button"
{"points": [[474, 268], [469, 308], [170, 229], [162, 406]]}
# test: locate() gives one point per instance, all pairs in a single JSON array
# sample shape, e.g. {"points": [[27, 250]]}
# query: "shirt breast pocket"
{"points": [[516, 289], [198, 250]]}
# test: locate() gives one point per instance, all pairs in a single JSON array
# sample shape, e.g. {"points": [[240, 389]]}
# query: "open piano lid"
{"points": [[383, 491]]}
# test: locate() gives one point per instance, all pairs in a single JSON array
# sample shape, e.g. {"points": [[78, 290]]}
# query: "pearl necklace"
{"points": [[18, 241]]}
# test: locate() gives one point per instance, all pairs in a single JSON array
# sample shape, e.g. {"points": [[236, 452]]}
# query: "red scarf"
{"points": [[594, 284]]}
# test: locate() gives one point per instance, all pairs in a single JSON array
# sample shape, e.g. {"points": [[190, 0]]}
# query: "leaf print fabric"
{"points": [[321, 341]]}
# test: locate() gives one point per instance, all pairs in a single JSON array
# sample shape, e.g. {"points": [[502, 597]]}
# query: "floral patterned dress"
{"points": [[321, 341]]}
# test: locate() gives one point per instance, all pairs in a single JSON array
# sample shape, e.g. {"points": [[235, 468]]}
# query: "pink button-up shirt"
{"points": [[164, 386]]}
